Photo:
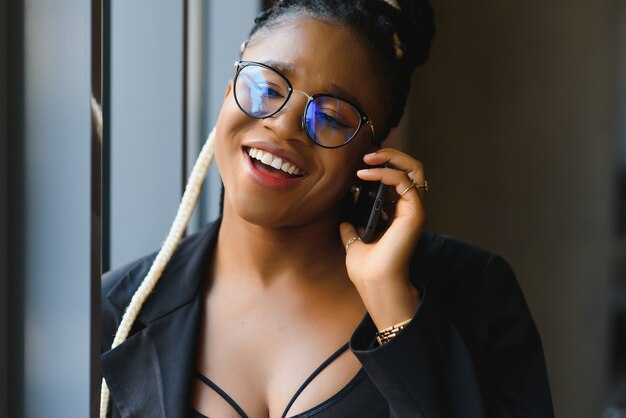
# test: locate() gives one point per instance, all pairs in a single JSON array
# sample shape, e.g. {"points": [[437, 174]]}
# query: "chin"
{"points": [[260, 212], [269, 214]]}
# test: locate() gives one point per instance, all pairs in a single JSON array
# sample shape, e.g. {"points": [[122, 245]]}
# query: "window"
{"points": [[51, 160]]}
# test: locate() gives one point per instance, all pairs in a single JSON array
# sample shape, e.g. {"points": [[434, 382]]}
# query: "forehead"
{"points": [[319, 57]]}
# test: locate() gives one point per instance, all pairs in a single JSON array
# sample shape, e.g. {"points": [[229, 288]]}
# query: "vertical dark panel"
{"points": [[97, 129], [15, 186], [617, 399], [4, 174], [106, 137], [185, 59]]}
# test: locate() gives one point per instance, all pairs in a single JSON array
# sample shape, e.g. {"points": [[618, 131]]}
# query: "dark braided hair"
{"points": [[377, 23]]}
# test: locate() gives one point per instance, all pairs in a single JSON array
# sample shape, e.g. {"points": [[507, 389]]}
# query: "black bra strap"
{"points": [[315, 373], [223, 394]]}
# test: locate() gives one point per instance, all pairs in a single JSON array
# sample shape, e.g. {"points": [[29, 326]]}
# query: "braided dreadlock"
{"points": [[398, 33]]}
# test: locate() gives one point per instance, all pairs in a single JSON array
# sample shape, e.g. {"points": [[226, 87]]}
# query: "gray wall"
{"points": [[216, 31], [228, 26], [50, 251], [146, 124], [147, 67], [56, 176], [514, 118]]}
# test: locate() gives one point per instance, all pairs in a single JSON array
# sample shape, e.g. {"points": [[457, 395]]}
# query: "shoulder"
{"points": [[176, 285], [134, 270], [121, 282], [118, 287], [473, 288], [472, 338], [464, 279], [443, 260]]}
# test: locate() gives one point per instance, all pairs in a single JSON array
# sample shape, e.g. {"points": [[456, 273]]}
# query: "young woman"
{"points": [[280, 308]]}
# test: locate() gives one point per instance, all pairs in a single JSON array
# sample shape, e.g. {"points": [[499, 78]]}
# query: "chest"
{"points": [[261, 355]]}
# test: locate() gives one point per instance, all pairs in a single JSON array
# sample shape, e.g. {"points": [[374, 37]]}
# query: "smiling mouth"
{"points": [[275, 166]]}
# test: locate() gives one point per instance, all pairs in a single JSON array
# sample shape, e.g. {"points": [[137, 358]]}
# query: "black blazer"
{"points": [[472, 349]]}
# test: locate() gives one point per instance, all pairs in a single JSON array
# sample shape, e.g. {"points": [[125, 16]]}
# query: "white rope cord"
{"points": [[398, 46], [187, 204], [96, 117], [393, 3]]}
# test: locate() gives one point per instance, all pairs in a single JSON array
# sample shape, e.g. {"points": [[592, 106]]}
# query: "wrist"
{"points": [[387, 334], [390, 302]]}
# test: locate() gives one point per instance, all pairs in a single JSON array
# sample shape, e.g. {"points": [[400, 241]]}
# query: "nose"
{"points": [[289, 122]]}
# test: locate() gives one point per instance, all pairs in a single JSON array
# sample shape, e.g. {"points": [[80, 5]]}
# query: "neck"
{"points": [[265, 254]]}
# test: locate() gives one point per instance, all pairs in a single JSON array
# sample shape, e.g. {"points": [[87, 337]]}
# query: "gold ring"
{"points": [[413, 184], [351, 240], [417, 186]]}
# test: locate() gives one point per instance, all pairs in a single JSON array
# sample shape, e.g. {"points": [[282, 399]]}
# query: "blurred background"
{"points": [[519, 117]]}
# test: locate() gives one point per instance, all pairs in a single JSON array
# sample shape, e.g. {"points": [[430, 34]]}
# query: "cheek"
{"points": [[341, 171], [229, 123], [230, 115]]}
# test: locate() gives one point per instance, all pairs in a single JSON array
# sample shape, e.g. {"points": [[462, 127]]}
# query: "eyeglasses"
{"points": [[329, 121]]}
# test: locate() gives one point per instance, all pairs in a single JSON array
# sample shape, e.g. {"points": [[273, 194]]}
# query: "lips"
{"points": [[273, 164]]}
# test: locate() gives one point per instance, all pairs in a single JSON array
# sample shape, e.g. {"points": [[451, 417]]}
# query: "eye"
{"points": [[331, 119], [269, 90]]}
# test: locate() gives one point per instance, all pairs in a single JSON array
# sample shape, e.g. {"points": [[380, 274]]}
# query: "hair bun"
{"points": [[416, 29], [398, 32]]}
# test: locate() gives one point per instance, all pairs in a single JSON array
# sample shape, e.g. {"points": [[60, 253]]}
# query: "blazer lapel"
{"points": [[150, 374]]}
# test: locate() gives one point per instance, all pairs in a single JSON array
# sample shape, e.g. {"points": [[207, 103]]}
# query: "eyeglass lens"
{"points": [[329, 121]]}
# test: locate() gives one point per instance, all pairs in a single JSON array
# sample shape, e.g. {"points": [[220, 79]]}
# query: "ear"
{"points": [[229, 88]]}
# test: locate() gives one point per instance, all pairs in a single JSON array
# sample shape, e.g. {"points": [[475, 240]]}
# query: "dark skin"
{"points": [[282, 294]]}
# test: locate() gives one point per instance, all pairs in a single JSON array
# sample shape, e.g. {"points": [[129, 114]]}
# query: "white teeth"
{"points": [[275, 162], [267, 159]]}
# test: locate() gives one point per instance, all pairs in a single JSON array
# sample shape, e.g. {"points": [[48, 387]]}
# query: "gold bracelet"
{"points": [[388, 333]]}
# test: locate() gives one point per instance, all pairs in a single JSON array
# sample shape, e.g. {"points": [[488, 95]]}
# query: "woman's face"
{"points": [[317, 57]]}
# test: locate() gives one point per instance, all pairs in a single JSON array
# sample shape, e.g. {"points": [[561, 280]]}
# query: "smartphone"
{"points": [[377, 208]]}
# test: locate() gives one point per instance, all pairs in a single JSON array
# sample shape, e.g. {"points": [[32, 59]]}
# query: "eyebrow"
{"points": [[289, 69], [286, 68], [344, 94]]}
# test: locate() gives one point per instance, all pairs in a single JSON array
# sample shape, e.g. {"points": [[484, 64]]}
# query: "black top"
{"points": [[359, 398], [472, 349]]}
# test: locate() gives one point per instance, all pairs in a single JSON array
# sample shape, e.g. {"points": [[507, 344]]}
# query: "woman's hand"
{"points": [[380, 269]]}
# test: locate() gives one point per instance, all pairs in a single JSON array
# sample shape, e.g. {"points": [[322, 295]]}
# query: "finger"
{"points": [[349, 235], [396, 158], [399, 180], [400, 161]]}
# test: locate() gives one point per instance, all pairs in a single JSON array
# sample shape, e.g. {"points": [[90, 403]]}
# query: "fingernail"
{"points": [[371, 154]]}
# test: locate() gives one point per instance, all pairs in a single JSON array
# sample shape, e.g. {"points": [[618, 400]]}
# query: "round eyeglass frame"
{"points": [[363, 119]]}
